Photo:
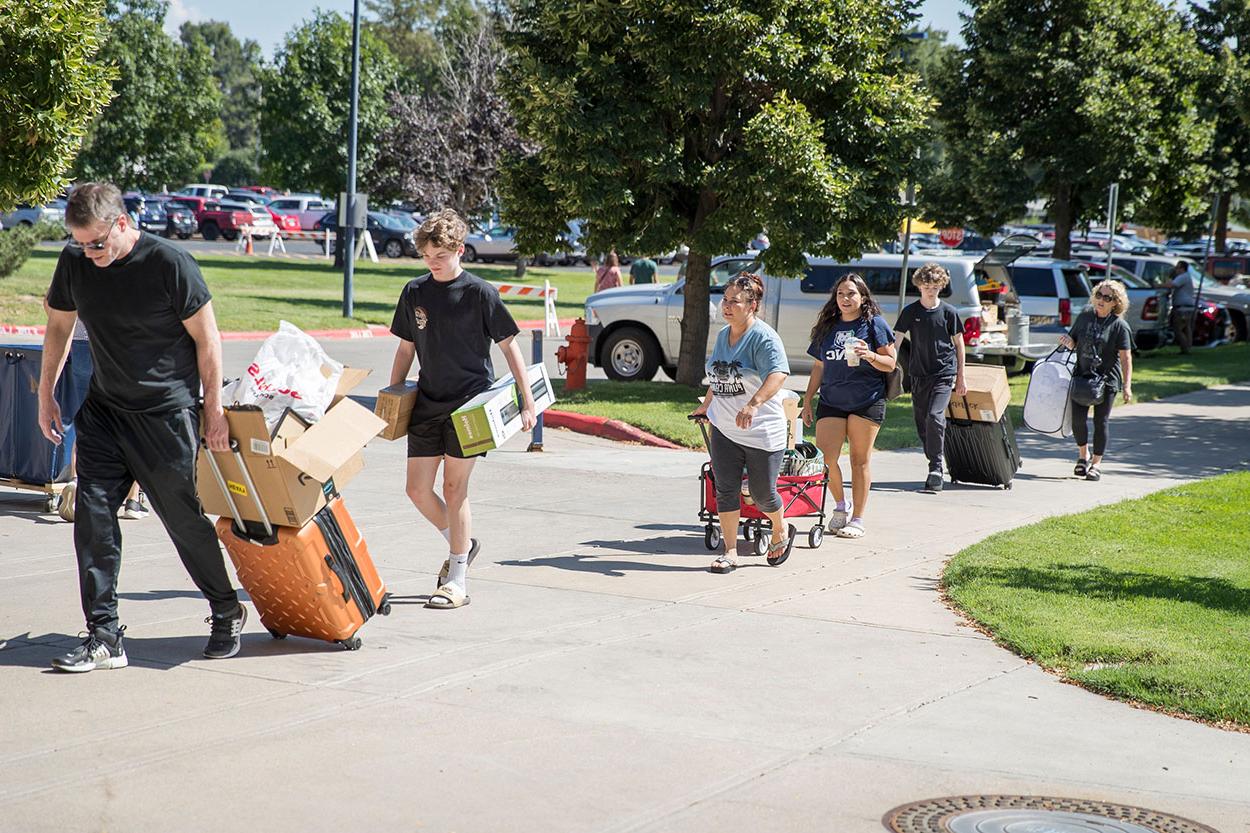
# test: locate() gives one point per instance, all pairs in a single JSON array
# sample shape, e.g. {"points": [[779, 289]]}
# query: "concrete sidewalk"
{"points": [[601, 680]]}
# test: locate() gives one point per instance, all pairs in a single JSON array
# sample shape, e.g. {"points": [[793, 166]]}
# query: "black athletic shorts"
{"points": [[435, 438], [874, 413]]}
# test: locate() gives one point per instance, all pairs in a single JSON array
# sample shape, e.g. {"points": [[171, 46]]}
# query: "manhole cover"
{"points": [[1031, 814]]}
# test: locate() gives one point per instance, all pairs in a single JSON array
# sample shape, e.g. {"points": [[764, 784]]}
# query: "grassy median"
{"points": [[255, 293], [1146, 600]]}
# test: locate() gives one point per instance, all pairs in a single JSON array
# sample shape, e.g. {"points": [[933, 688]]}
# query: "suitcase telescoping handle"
{"points": [[247, 482], [702, 422]]}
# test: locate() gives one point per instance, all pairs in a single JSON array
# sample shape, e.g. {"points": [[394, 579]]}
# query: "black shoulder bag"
{"points": [[893, 378]]}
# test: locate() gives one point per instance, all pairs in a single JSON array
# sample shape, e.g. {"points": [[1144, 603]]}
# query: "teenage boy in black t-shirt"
{"points": [[936, 365], [447, 320], [153, 341]]}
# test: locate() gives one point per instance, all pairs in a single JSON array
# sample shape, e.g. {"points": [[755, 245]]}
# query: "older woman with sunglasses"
{"points": [[1104, 348], [745, 372]]}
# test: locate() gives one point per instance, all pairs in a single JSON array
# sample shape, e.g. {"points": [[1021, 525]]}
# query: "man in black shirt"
{"points": [[153, 340], [447, 320], [936, 364]]}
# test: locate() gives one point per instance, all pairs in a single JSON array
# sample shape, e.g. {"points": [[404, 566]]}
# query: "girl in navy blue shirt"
{"points": [[853, 349]]}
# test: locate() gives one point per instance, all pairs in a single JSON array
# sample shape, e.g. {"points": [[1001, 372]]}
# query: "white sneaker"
{"points": [[132, 510], [837, 520]]}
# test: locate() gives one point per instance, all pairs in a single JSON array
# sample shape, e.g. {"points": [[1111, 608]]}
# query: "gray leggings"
{"points": [[728, 460]]}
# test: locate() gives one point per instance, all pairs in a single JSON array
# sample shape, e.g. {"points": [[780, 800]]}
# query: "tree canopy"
{"points": [[1064, 98], [668, 121], [53, 84], [163, 122], [236, 66], [306, 104], [416, 30]]}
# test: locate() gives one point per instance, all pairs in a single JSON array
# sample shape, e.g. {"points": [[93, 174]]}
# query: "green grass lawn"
{"points": [[661, 408], [255, 293], [1146, 600]]}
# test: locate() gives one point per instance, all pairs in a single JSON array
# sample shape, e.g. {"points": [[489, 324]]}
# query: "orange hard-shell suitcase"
{"points": [[317, 580]]}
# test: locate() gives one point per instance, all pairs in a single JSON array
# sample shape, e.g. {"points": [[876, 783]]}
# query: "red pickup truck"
{"points": [[218, 221]]}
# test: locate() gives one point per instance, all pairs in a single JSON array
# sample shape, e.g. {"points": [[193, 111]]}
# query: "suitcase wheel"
{"points": [[385, 608], [351, 643], [276, 634], [711, 537], [816, 536]]}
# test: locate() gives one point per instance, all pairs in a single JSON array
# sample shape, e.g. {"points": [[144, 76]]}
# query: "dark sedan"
{"points": [[390, 236]]}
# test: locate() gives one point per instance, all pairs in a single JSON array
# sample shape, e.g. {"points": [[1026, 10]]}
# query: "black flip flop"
{"points": [[1081, 468], [780, 559], [722, 565]]}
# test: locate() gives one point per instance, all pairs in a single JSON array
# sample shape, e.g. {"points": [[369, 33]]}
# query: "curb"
{"points": [[612, 429], [377, 330]]}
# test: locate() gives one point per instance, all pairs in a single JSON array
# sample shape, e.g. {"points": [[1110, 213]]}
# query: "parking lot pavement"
{"points": [[602, 679]]}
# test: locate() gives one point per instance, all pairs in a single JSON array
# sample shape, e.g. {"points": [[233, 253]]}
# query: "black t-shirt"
{"points": [[932, 351], [144, 359], [1098, 345], [452, 326]]}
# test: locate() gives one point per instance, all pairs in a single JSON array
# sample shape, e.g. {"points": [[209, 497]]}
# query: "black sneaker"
{"points": [[223, 641], [100, 649], [933, 483]]}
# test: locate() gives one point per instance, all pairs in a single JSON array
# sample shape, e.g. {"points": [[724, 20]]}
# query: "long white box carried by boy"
{"points": [[491, 418]]}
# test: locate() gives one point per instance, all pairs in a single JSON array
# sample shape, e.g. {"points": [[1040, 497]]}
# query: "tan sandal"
{"points": [[447, 597]]}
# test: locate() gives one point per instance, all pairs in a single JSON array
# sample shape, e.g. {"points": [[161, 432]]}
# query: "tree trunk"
{"points": [[1061, 211], [694, 321], [522, 264], [1221, 222]]}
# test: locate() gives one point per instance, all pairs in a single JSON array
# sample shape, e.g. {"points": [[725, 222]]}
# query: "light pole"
{"points": [[349, 228]]}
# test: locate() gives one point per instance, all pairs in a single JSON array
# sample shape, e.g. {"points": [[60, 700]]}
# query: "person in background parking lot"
{"points": [[936, 363], [1184, 299], [1104, 346], [853, 349], [642, 270], [609, 274]]}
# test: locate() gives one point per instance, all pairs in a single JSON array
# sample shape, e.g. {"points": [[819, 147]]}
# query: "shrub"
{"points": [[15, 247]]}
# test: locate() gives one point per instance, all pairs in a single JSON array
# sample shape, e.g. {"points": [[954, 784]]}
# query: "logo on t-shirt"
{"points": [[726, 379], [837, 352], [421, 316]]}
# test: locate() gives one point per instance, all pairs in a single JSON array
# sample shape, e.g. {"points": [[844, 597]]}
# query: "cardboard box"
{"points": [[291, 469], [491, 418], [395, 404], [987, 397]]}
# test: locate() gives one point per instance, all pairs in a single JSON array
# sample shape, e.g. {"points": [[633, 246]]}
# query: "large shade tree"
{"points": [[236, 66], [444, 146], [1061, 98], [306, 104], [53, 84], [668, 121], [163, 123], [1223, 28]]}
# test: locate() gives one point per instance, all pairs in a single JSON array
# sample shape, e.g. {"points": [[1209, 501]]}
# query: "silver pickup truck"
{"points": [[636, 330]]}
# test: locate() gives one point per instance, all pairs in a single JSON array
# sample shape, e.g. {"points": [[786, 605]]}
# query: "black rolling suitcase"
{"points": [[981, 452]]}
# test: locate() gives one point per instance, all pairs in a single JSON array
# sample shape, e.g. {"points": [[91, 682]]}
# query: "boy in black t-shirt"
{"points": [[447, 320], [936, 364]]}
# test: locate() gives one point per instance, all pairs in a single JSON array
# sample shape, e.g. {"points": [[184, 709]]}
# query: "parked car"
{"points": [[307, 208], [193, 204], [149, 215], [29, 215], [211, 192], [636, 329], [1225, 267], [179, 220], [1148, 305], [389, 235], [1052, 293], [496, 243], [227, 219]]}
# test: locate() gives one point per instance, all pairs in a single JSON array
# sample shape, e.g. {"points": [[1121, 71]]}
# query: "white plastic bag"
{"points": [[290, 371]]}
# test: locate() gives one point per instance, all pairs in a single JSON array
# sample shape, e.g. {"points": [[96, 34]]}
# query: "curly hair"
{"points": [[749, 284], [830, 314], [1120, 304], [931, 273], [444, 229]]}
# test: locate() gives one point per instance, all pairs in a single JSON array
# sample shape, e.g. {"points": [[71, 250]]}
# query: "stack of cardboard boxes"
{"points": [[987, 397]]}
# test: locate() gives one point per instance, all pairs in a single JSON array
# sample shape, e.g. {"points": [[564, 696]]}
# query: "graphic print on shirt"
{"points": [[837, 353], [421, 317], [726, 379]]}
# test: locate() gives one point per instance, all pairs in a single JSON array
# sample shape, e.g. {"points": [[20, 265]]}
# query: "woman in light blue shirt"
{"points": [[746, 370]]}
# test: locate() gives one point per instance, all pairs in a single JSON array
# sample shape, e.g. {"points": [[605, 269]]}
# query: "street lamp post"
{"points": [[349, 227]]}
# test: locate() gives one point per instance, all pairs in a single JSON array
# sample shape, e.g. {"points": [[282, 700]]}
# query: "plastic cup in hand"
{"points": [[852, 358]]}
